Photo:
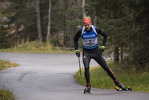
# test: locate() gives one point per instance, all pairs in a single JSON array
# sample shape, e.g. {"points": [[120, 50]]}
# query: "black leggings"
{"points": [[96, 55]]}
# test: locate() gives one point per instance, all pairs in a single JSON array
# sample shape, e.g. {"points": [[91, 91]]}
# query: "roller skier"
{"points": [[91, 50]]}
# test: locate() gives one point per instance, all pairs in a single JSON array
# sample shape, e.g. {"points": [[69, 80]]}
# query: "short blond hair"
{"points": [[87, 17]]}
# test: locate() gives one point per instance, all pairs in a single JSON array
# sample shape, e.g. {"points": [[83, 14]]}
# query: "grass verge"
{"points": [[7, 64], [35, 47], [138, 81], [6, 94]]}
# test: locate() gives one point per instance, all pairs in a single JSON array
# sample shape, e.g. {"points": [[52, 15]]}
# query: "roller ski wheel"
{"points": [[86, 90], [119, 89]]}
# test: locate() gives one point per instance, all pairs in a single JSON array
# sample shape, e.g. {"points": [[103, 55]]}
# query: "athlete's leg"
{"points": [[99, 59], [103, 64], [86, 62]]}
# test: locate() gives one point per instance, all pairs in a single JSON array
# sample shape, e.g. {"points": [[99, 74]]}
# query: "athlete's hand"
{"points": [[102, 48], [78, 53]]}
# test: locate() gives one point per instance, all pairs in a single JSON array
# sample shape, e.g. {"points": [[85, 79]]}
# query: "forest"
{"points": [[56, 21]]}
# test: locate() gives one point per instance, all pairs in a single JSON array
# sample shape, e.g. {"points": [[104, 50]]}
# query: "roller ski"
{"points": [[87, 89], [121, 87]]}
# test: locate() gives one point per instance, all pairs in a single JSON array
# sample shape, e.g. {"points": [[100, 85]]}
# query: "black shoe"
{"points": [[88, 87], [120, 85]]}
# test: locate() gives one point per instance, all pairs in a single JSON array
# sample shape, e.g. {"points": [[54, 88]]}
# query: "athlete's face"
{"points": [[87, 26]]}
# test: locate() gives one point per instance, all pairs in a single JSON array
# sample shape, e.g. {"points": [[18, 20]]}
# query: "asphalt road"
{"points": [[51, 77]]}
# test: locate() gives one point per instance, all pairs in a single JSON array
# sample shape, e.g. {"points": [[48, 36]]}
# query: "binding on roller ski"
{"points": [[87, 89], [119, 89]]}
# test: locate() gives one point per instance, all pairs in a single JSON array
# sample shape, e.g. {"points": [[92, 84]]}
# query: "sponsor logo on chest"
{"points": [[89, 36]]}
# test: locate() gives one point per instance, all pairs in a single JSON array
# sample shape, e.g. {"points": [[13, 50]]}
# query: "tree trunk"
{"points": [[116, 54], [49, 22], [122, 53], [37, 3], [116, 46], [83, 9], [65, 36]]}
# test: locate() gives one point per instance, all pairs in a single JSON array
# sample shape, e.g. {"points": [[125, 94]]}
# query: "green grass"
{"points": [[7, 64], [35, 47], [138, 81], [6, 95]]}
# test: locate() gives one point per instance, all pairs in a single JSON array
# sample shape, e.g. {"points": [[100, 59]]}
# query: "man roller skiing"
{"points": [[89, 35]]}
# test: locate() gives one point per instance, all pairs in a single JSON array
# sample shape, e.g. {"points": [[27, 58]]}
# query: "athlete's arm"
{"points": [[77, 36], [101, 32]]}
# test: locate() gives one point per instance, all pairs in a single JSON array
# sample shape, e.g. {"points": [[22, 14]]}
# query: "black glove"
{"points": [[78, 53]]}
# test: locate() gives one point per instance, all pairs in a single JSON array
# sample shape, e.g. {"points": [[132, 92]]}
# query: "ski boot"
{"points": [[87, 89], [121, 87]]}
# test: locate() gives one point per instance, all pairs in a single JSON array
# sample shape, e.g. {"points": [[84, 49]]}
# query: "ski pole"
{"points": [[79, 65]]}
